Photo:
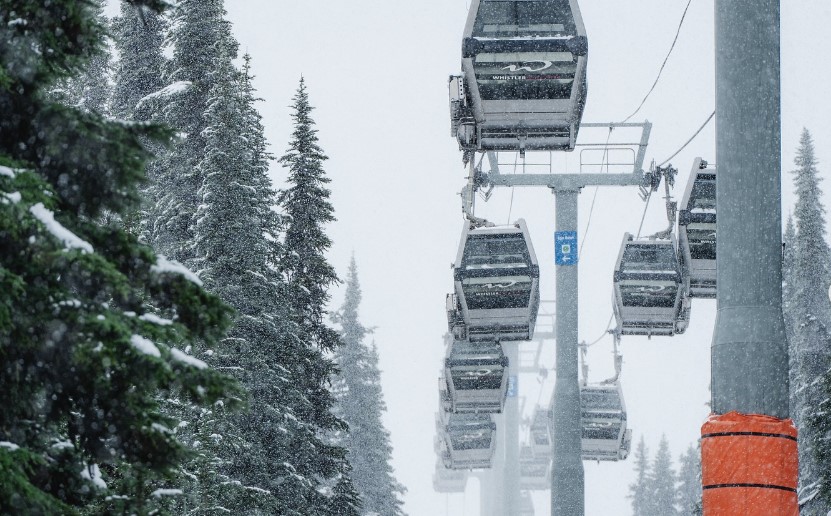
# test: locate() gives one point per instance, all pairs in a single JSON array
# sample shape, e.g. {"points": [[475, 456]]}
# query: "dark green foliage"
{"points": [[360, 402], [81, 363], [200, 35], [236, 247], [90, 91], [308, 277], [138, 79], [141, 62]]}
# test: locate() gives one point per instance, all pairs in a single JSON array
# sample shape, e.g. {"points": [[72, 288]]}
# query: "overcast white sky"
{"points": [[377, 74]]}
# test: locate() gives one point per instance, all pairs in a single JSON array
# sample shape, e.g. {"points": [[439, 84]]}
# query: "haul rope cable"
{"points": [[660, 71], [713, 114]]}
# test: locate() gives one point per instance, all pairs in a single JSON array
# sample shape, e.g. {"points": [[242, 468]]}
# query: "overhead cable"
{"points": [[596, 188], [713, 114], [608, 326], [677, 33]]}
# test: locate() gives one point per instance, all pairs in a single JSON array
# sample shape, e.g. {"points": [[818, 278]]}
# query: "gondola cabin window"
{"points": [[649, 258], [500, 272], [602, 400], [524, 18], [496, 252], [703, 195]]}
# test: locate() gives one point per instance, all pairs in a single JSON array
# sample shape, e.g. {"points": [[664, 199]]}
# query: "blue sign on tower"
{"points": [[565, 248]]}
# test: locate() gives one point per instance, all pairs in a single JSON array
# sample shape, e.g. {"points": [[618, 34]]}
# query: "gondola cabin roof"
{"points": [[601, 397], [524, 19]]}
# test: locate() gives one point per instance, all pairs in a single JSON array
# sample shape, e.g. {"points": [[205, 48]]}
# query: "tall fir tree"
{"points": [[689, 482], [138, 36], [808, 312], [639, 490], [360, 403], [308, 276], [200, 34], [661, 483], [237, 243], [81, 361], [91, 89], [138, 73]]}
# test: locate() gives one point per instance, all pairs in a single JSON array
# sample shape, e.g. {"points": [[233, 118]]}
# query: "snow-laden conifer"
{"points": [[82, 361], [360, 402], [639, 490], [199, 35], [689, 482], [236, 246], [661, 483], [308, 276], [808, 310], [138, 73], [138, 36], [90, 90]]}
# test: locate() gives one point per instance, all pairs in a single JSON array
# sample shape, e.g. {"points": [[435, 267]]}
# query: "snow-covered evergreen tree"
{"points": [[689, 486], [82, 360], [816, 499], [308, 276], [661, 483], [138, 73], [91, 89], [200, 34], [808, 311], [237, 243], [639, 491], [360, 403], [138, 36]]}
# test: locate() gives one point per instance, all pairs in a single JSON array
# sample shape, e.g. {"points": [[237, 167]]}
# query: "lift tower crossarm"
{"points": [[565, 182]]}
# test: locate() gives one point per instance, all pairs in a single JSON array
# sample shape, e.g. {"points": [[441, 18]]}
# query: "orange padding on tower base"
{"points": [[749, 466]]}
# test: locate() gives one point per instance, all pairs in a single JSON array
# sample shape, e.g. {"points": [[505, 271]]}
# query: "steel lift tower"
{"points": [[568, 486], [749, 449]]}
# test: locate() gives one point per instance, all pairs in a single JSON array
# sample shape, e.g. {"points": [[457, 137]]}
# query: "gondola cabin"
{"points": [[477, 377], [449, 480], [497, 283], [648, 291], [697, 231], [469, 441], [603, 419], [534, 469], [523, 83], [540, 433]]}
